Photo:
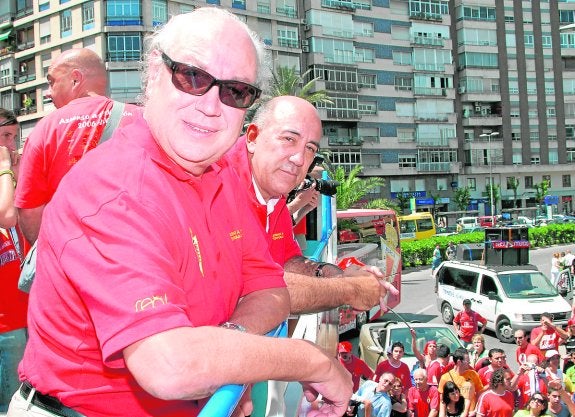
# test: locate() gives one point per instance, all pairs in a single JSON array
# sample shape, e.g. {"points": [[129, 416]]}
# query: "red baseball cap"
{"points": [[344, 347]]}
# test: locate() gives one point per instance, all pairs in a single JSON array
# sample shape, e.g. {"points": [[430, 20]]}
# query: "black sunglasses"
{"points": [[539, 400], [197, 82]]}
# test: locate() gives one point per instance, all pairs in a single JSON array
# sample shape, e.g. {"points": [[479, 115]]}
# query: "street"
{"points": [[418, 299]]}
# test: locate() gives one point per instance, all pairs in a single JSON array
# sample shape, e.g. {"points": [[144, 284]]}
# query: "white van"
{"points": [[468, 222], [509, 297]]}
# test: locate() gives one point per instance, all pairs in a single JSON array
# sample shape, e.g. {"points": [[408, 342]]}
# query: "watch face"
{"points": [[233, 326]]}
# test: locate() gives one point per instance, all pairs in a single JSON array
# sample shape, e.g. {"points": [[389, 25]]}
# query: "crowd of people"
{"points": [[475, 380]]}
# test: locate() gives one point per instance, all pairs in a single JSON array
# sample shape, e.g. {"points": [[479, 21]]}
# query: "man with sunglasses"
{"points": [[154, 291], [77, 81]]}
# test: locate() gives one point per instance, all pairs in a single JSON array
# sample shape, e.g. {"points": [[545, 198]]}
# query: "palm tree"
{"points": [[351, 188], [287, 82], [462, 197]]}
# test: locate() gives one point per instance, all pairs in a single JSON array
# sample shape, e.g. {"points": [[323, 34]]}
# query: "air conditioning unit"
{"points": [[304, 22], [461, 90], [304, 42], [307, 27], [305, 48], [477, 109]]}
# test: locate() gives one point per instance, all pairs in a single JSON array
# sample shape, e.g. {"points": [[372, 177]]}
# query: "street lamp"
{"points": [[491, 201]]}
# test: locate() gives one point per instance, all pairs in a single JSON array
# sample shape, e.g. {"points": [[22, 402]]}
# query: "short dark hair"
{"points": [[459, 354], [397, 344], [548, 315], [497, 378], [494, 351], [7, 118], [443, 351]]}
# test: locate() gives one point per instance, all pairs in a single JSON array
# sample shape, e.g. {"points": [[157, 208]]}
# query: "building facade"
{"points": [[432, 95]]}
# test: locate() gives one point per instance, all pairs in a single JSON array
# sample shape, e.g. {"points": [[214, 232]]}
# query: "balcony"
{"points": [[432, 142], [24, 78], [427, 41], [482, 119], [25, 45], [432, 117], [429, 91], [429, 67], [349, 141], [288, 11], [436, 17], [437, 166], [124, 21], [27, 11], [7, 50], [288, 42], [344, 114], [337, 4], [7, 81]]}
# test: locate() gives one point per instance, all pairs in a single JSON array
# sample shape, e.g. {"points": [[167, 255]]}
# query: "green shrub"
{"points": [[420, 252]]}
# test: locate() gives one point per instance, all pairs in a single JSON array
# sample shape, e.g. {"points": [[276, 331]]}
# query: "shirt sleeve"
{"points": [[32, 189]]}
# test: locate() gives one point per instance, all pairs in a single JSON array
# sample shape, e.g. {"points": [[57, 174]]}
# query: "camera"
{"points": [[325, 187]]}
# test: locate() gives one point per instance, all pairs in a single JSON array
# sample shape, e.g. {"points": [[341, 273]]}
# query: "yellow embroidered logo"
{"points": [[196, 244], [235, 235], [151, 302], [277, 236]]}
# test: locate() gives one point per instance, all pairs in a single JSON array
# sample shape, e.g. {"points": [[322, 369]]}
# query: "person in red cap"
{"points": [[356, 367]]}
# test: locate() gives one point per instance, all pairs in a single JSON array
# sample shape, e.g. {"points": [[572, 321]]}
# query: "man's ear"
{"points": [[77, 77], [252, 133]]}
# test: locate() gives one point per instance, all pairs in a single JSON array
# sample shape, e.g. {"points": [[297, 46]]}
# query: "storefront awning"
{"points": [[4, 35]]}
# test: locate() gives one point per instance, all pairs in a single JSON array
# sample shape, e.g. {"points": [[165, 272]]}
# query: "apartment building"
{"points": [[432, 95]]}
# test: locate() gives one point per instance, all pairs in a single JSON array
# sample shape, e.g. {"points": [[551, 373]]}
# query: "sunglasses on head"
{"points": [[197, 82], [539, 400]]}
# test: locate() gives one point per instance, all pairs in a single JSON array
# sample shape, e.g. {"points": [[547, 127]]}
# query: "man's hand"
{"points": [[336, 390], [369, 287], [7, 158]]}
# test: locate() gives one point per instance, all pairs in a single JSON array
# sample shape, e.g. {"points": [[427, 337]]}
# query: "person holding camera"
{"points": [[272, 159]]}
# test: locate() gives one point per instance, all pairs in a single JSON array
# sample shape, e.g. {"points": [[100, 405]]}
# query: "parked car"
{"points": [[509, 297], [472, 230], [375, 338], [468, 222]]}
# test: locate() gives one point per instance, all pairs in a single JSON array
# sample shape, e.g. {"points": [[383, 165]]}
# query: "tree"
{"points": [[351, 188], [402, 200], [513, 184], [496, 194], [288, 82], [462, 197], [383, 203], [541, 190]]}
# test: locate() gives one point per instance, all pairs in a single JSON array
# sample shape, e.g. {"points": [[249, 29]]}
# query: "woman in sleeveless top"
{"points": [[452, 402]]}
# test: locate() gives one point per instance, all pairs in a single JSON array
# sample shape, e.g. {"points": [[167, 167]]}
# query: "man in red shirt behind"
{"points": [[423, 399], [394, 365], [356, 367], [524, 348], [547, 336], [466, 322]]}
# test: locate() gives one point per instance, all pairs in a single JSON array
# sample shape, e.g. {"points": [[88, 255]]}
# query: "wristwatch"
{"points": [[319, 269], [233, 326]]}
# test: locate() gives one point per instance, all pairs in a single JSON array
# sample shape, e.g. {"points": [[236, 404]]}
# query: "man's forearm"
{"points": [[29, 221], [309, 294], [261, 311]]}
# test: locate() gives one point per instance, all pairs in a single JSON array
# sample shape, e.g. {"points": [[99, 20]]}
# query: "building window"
{"points": [[403, 83], [472, 184], [88, 15], [566, 180], [159, 12], [535, 160], [364, 55], [288, 36], [367, 80], [44, 31], [367, 108], [66, 23], [124, 46], [402, 58], [546, 178], [528, 181], [45, 5], [407, 161], [123, 12]]}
